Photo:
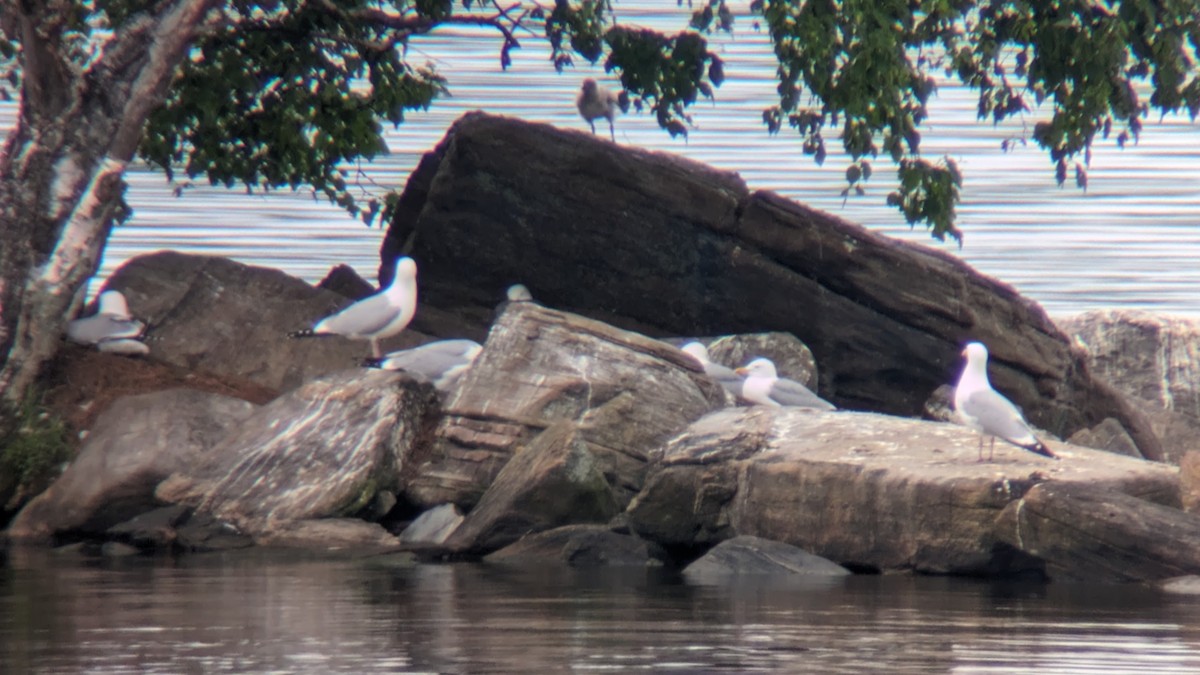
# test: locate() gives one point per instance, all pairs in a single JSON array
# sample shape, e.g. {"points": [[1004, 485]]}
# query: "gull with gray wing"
{"points": [[987, 411], [441, 363], [376, 317], [764, 387]]}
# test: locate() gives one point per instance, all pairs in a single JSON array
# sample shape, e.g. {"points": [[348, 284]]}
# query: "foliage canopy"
{"points": [[287, 93]]}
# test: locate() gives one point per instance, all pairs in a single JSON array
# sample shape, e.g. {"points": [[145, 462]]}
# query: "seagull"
{"points": [[764, 387], [987, 411], [375, 317], [443, 362], [111, 329], [595, 101], [518, 293], [726, 377]]}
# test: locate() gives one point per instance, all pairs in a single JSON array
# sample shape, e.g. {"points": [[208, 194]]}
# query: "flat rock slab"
{"points": [[864, 490]]}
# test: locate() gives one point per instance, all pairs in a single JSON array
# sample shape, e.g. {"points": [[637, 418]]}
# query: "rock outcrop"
{"points": [[1084, 532], [622, 394], [216, 315], [867, 491], [325, 450], [135, 444], [666, 246], [1155, 361]]}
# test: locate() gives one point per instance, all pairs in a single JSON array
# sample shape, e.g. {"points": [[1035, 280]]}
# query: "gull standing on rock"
{"points": [[375, 317], [595, 101], [987, 411], [725, 376], [764, 387], [111, 329]]}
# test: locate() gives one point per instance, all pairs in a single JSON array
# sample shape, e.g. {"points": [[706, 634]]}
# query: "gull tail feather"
{"points": [[1040, 448], [306, 333]]}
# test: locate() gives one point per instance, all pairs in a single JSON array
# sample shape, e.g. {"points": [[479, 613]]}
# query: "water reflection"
{"points": [[270, 612]]}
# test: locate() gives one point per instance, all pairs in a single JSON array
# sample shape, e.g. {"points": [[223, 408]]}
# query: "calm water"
{"points": [[1131, 240], [206, 614]]}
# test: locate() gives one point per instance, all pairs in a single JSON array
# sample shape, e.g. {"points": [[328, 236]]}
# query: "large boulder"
{"points": [[667, 246], [624, 394], [1087, 533], [1155, 361], [864, 490], [217, 315], [554, 480], [324, 450], [135, 444]]}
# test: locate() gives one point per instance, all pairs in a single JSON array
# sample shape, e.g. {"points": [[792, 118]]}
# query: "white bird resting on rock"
{"points": [[764, 387], [376, 317], [725, 376], [518, 293], [987, 411], [111, 329], [441, 363], [596, 100]]}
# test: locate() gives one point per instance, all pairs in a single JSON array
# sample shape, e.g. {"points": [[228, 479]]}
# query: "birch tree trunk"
{"points": [[62, 167]]}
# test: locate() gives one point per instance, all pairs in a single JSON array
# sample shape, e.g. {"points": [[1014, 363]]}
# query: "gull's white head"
{"points": [[975, 351], [406, 268], [518, 293], [697, 351], [760, 367], [112, 303]]}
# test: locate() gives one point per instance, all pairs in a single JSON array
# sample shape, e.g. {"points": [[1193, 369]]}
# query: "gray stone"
{"points": [[135, 444], [791, 357], [1108, 435], [432, 526], [554, 480], [755, 556], [321, 451], [864, 490], [580, 546]]}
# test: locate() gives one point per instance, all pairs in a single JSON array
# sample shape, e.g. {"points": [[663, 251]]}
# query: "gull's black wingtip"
{"points": [[1041, 449]]}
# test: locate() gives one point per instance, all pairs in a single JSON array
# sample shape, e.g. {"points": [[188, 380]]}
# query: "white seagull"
{"points": [[987, 411], [111, 329], [764, 387], [442, 362], [375, 317], [595, 101], [725, 376]]}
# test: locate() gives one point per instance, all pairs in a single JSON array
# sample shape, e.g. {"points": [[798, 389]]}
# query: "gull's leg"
{"points": [[980, 459], [992, 448], [611, 131], [375, 351]]}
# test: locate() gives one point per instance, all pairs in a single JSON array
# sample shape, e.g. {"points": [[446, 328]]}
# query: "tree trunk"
{"points": [[62, 168]]}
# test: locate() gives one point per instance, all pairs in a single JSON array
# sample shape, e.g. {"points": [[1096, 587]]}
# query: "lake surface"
{"points": [[1131, 240], [242, 613]]}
